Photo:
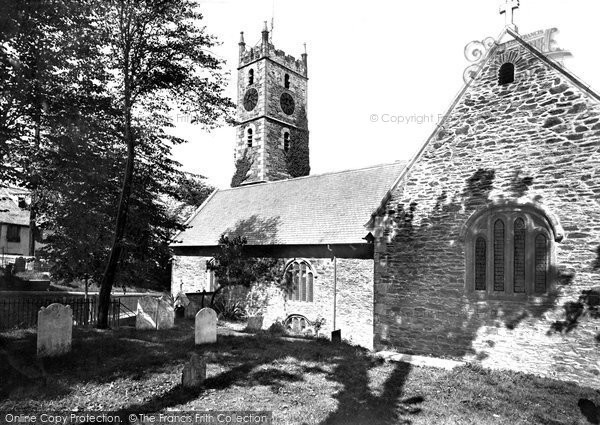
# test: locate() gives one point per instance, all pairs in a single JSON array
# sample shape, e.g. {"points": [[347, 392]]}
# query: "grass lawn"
{"points": [[301, 381]]}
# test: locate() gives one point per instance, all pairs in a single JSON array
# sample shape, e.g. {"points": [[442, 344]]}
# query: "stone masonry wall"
{"points": [[354, 312], [354, 295], [536, 140], [189, 274]]}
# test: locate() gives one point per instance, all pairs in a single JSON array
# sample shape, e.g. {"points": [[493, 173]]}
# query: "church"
{"points": [[484, 247]]}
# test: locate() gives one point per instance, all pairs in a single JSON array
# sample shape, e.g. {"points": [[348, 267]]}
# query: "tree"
{"points": [[157, 50], [42, 70], [233, 268]]}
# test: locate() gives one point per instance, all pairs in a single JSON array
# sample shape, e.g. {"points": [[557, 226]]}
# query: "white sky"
{"points": [[400, 58]]}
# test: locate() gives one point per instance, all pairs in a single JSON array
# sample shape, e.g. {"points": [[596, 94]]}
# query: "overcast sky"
{"points": [[370, 61]]}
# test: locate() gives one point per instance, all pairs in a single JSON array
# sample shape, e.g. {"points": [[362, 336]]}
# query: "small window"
{"points": [[506, 75], [301, 278], [286, 141], [250, 77], [286, 81], [13, 233], [250, 137]]}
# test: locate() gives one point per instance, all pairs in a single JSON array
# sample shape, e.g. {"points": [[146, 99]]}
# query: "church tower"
{"points": [[272, 130]]}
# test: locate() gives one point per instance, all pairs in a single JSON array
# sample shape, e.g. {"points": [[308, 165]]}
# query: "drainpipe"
{"points": [[334, 287]]}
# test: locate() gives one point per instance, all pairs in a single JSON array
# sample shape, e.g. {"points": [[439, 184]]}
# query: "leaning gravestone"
{"points": [[194, 372], [54, 330], [153, 313], [206, 326]]}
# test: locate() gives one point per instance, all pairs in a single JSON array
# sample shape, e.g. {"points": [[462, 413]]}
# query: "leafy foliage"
{"points": [[88, 88], [297, 158], [242, 166], [233, 268]]}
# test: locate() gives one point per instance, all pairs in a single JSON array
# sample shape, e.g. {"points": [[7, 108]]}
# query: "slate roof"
{"points": [[314, 210], [10, 213]]}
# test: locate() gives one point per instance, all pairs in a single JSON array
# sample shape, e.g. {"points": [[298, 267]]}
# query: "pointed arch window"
{"points": [[286, 81], [250, 77], [506, 75], [517, 261], [300, 277]]}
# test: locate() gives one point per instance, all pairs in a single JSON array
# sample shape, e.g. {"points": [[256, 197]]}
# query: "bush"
{"points": [[229, 308], [277, 328]]}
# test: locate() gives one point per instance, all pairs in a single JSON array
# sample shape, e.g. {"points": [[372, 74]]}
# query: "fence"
{"points": [[22, 312]]}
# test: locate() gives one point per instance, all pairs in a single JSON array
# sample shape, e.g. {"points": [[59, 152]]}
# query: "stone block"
{"points": [[194, 372], [54, 330], [255, 323], [153, 313]]}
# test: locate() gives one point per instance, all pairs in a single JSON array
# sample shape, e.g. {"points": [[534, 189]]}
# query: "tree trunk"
{"points": [[111, 267]]}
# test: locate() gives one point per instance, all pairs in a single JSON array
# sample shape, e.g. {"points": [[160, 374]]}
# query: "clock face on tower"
{"points": [[287, 103], [250, 99]]}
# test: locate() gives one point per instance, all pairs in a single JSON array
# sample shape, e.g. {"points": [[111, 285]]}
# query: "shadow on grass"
{"points": [[245, 361]]}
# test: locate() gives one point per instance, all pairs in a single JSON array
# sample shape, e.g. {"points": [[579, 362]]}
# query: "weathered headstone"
{"points": [[255, 323], [192, 309], [206, 326], [194, 372], [19, 265], [336, 336], [54, 330], [154, 313]]}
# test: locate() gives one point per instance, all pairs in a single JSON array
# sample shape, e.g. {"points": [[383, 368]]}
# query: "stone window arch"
{"points": [[509, 251], [506, 74], [301, 277]]}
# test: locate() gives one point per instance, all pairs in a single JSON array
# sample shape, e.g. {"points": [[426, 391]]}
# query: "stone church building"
{"points": [[484, 247]]}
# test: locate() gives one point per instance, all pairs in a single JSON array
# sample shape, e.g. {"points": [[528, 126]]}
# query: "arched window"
{"points": [[250, 77], [286, 141], [506, 75], [286, 81], [249, 136], [518, 258], [300, 277]]}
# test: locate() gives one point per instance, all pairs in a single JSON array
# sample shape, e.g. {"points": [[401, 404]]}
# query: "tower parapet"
{"points": [[265, 49]]}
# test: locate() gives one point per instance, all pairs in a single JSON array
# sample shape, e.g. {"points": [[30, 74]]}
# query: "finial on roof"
{"points": [[242, 37]]}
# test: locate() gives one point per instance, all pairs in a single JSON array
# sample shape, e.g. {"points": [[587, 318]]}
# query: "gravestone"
{"points": [[153, 313], [54, 330], [19, 265], [336, 336], [194, 372], [206, 326], [255, 323], [192, 309]]}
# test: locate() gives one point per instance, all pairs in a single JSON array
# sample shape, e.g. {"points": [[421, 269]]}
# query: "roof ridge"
{"points": [[389, 164], [554, 64]]}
